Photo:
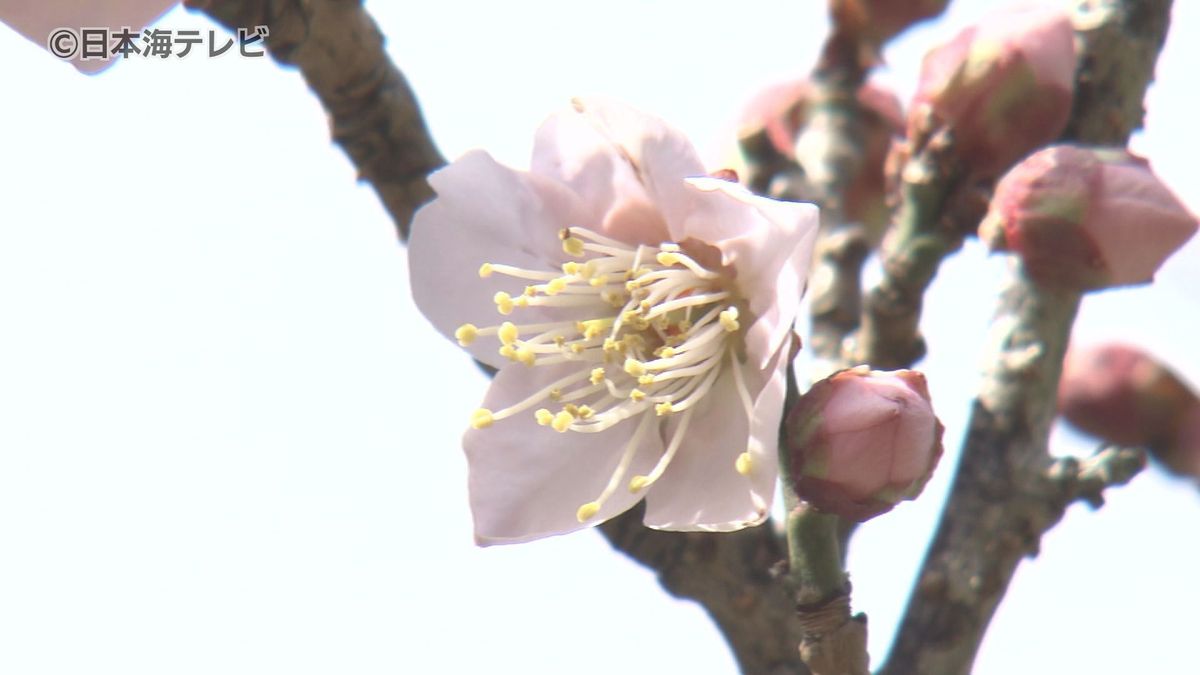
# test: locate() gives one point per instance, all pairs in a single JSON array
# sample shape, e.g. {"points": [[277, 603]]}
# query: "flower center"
{"points": [[656, 329]]}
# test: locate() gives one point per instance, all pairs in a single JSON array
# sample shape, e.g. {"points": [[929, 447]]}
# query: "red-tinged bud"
{"points": [[781, 110], [1003, 86], [1086, 219], [1125, 396], [878, 20], [861, 441]]}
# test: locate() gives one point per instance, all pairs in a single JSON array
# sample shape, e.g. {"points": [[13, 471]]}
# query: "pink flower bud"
{"points": [[878, 20], [781, 110], [1125, 396], [860, 441], [1004, 86], [1086, 218]]}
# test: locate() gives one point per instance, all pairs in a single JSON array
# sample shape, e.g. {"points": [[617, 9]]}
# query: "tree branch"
{"points": [[830, 151], [373, 113], [1120, 42], [1003, 498], [1007, 490], [925, 229]]}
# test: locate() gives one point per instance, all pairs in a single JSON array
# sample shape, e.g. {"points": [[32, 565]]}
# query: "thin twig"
{"points": [[830, 151]]}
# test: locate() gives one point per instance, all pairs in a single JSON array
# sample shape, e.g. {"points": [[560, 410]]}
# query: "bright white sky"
{"points": [[230, 443]]}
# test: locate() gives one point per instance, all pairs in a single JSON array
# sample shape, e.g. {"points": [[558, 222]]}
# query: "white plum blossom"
{"points": [[639, 313]]}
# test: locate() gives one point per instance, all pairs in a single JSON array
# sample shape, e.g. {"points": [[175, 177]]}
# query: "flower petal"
{"points": [[617, 158], [862, 402], [770, 245], [528, 481], [38, 20], [701, 489], [484, 212]]}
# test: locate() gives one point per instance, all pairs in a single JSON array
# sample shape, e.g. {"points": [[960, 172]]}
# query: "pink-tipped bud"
{"points": [[861, 441], [878, 20], [1125, 396], [1003, 86], [1086, 219], [780, 111]]}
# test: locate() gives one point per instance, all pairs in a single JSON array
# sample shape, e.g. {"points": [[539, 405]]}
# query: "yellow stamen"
{"points": [[640, 354], [613, 298], [526, 356], [504, 302], [573, 246], [744, 464], [466, 334], [482, 419], [634, 367], [593, 328], [641, 482], [729, 319], [508, 333], [586, 511], [562, 421]]}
